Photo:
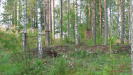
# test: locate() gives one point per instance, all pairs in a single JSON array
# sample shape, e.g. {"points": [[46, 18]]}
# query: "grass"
{"points": [[77, 62]]}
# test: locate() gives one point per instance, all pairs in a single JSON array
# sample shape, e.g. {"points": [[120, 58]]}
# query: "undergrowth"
{"points": [[79, 62]]}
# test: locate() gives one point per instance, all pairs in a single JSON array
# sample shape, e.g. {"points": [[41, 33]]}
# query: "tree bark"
{"points": [[24, 23], [39, 29], [105, 23], [100, 15], [61, 18], [47, 29], [76, 24], [54, 19], [68, 24], [94, 20], [131, 22], [129, 19], [51, 18], [122, 20]]}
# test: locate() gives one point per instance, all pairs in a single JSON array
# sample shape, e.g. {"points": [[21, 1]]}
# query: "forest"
{"points": [[66, 37]]}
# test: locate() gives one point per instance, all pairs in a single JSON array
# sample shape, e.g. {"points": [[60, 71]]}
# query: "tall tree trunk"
{"points": [[94, 20], [68, 24], [89, 15], [47, 29], [18, 8], [76, 24], [39, 29], [122, 20], [51, 18], [131, 33], [100, 15], [105, 23], [61, 18], [109, 18], [14, 13], [80, 10], [54, 19], [24, 23], [131, 19]]}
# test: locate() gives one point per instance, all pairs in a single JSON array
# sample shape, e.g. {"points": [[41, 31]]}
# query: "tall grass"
{"points": [[78, 62]]}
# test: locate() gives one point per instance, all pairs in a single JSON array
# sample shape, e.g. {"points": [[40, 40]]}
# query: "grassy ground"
{"points": [[76, 62]]}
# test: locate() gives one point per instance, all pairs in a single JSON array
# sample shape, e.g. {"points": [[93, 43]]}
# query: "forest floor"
{"points": [[63, 59]]}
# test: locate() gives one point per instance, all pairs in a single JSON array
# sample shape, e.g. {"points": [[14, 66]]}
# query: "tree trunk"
{"points": [[54, 19], [39, 29], [89, 15], [110, 27], [18, 9], [131, 19], [100, 15], [51, 18], [47, 30], [105, 24], [61, 18], [94, 20], [109, 19], [80, 10], [24, 23], [68, 24], [76, 24], [122, 20]]}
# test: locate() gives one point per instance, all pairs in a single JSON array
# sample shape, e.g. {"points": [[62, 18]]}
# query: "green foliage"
{"points": [[59, 67], [82, 31], [9, 41], [106, 70], [80, 54], [112, 40]]}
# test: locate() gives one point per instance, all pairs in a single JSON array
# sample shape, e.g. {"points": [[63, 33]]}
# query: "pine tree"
{"points": [[47, 21], [100, 15], [94, 20]]}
